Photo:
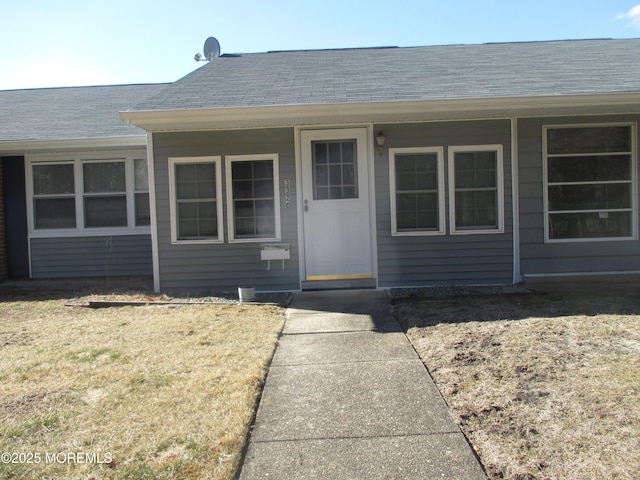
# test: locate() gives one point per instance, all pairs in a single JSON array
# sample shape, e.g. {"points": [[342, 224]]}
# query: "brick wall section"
{"points": [[3, 238]]}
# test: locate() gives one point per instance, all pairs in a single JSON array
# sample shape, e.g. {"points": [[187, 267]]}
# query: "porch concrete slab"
{"points": [[362, 346], [367, 302], [325, 322], [363, 399], [344, 311], [426, 457]]}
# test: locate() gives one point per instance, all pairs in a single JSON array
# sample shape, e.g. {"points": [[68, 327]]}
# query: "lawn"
{"points": [[545, 386], [134, 392]]}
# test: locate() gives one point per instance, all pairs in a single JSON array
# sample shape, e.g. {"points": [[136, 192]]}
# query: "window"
{"points": [[589, 182], [196, 209], [54, 203], [87, 194], [334, 169], [417, 191], [252, 189], [105, 194], [476, 189], [141, 192]]}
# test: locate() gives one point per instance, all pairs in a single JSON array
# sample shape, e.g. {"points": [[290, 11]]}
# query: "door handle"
{"points": [[306, 205]]}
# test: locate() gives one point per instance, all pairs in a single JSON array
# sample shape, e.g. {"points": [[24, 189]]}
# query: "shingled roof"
{"points": [[388, 74], [299, 79], [69, 113]]}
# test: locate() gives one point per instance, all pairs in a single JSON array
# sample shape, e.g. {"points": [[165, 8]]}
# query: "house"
{"points": [[56, 145], [371, 167]]}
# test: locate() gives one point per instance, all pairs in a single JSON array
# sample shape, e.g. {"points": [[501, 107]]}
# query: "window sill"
{"points": [[97, 232], [419, 233], [204, 241], [590, 240], [478, 232], [255, 240]]}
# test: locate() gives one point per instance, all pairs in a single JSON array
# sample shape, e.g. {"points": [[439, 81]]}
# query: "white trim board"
{"points": [[382, 112], [155, 256], [580, 274], [43, 146]]}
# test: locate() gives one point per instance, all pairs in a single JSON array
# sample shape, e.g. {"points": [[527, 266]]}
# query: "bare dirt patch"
{"points": [[545, 386], [167, 391]]}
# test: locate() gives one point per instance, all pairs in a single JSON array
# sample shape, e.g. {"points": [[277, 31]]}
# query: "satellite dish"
{"points": [[211, 48]]}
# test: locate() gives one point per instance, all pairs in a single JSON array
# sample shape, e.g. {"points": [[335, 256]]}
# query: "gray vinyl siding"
{"points": [[443, 259], [223, 267], [538, 257], [125, 255]]}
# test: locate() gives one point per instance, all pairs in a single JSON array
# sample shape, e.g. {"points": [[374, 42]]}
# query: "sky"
{"points": [[104, 42]]}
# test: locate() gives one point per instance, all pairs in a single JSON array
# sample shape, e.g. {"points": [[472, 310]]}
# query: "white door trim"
{"points": [[339, 132]]}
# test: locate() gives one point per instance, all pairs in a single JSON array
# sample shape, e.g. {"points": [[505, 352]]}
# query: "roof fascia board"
{"points": [[35, 146], [287, 115]]}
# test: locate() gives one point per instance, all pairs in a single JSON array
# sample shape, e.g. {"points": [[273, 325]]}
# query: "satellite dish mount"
{"points": [[211, 50]]}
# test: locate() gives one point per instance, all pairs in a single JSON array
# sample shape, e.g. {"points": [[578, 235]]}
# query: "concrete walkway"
{"points": [[348, 398]]}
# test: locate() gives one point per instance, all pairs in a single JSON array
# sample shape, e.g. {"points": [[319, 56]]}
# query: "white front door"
{"points": [[336, 210]]}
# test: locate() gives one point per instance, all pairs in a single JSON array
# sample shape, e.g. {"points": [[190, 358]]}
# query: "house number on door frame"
{"points": [[287, 193]]}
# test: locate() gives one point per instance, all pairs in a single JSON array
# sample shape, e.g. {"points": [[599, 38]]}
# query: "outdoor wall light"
{"points": [[380, 139]]}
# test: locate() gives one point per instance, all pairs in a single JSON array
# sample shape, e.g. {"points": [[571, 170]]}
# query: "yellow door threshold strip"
{"points": [[355, 276]]}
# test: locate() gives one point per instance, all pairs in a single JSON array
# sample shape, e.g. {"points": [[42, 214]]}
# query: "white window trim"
{"points": [[498, 148], [634, 183], [31, 195], [131, 199], [128, 191], [78, 159], [173, 215], [439, 151], [229, 159]]}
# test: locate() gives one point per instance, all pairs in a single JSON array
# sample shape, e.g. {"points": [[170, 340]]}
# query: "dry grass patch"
{"points": [[544, 386], [152, 392]]}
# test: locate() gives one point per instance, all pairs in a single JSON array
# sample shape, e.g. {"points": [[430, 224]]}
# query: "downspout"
{"points": [[154, 215], [515, 201]]}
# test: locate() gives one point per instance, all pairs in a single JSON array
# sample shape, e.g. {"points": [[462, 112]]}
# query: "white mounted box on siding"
{"points": [[275, 251]]}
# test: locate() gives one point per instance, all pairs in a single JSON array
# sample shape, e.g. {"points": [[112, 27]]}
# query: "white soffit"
{"points": [[105, 143], [378, 112]]}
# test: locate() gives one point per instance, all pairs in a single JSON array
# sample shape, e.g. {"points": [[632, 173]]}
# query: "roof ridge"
{"points": [[407, 47], [382, 47], [78, 87], [519, 42]]}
